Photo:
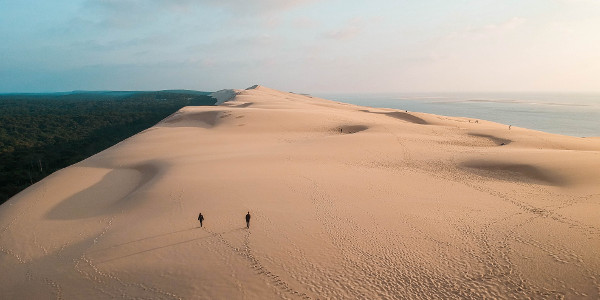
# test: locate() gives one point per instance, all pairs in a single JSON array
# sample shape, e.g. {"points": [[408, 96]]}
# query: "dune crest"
{"points": [[347, 202], [496, 140], [225, 95], [518, 172]]}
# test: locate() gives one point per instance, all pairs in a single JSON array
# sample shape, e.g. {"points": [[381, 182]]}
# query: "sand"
{"points": [[347, 202]]}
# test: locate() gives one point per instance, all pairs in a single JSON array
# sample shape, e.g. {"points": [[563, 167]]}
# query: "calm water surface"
{"points": [[568, 114]]}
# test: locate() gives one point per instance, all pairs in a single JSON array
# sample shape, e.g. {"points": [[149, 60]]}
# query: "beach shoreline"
{"points": [[559, 113]]}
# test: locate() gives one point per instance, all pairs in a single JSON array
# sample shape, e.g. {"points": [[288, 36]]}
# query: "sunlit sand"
{"points": [[347, 202]]}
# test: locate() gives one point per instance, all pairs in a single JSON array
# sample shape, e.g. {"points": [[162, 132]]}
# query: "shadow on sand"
{"points": [[94, 200], [211, 234], [404, 116]]}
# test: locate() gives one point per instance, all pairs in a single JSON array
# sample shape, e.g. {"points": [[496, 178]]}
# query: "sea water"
{"points": [[568, 114]]}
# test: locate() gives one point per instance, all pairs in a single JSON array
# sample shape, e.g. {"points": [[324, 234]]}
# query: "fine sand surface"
{"points": [[347, 202]]}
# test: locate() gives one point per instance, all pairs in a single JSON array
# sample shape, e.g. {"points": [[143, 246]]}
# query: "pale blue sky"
{"points": [[301, 45]]}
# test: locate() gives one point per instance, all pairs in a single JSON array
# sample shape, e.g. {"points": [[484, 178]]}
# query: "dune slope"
{"points": [[347, 202]]}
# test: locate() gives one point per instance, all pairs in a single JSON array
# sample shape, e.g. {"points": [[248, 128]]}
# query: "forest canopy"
{"points": [[42, 133]]}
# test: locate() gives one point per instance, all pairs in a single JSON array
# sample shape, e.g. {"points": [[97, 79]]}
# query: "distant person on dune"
{"points": [[248, 220], [200, 218]]}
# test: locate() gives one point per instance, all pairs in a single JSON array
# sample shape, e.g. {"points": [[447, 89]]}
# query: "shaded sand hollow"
{"points": [[347, 202]]}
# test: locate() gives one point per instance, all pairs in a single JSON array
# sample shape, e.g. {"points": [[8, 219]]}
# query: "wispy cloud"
{"points": [[183, 6], [421, 45], [128, 14], [348, 31], [489, 29], [305, 23], [255, 6]]}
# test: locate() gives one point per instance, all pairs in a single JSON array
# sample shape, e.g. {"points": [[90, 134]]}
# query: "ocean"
{"points": [[568, 114]]}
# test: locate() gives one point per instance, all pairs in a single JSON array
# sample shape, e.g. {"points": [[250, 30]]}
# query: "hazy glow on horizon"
{"points": [[300, 45]]}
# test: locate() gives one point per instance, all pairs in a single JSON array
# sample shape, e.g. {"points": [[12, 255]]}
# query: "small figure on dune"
{"points": [[248, 220], [509, 126], [200, 218]]}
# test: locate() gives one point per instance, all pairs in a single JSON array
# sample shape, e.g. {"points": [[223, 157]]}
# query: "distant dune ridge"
{"points": [[347, 202]]}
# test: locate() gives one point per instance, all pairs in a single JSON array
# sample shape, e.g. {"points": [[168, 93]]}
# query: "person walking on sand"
{"points": [[248, 220], [200, 218]]}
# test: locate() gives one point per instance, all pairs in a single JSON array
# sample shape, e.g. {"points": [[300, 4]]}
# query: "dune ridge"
{"points": [[347, 202]]}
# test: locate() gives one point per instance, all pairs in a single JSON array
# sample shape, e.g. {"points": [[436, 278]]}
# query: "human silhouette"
{"points": [[200, 218], [248, 220]]}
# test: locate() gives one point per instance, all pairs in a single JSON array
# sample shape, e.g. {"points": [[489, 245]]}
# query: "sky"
{"points": [[311, 46]]}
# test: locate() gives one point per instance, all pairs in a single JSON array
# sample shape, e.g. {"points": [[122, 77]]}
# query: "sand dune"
{"points": [[347, 202], [518, 172], [496, 140], [402, 116]]}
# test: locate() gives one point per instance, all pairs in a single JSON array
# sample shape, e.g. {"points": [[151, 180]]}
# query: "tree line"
{"points": [[43, 133]]}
